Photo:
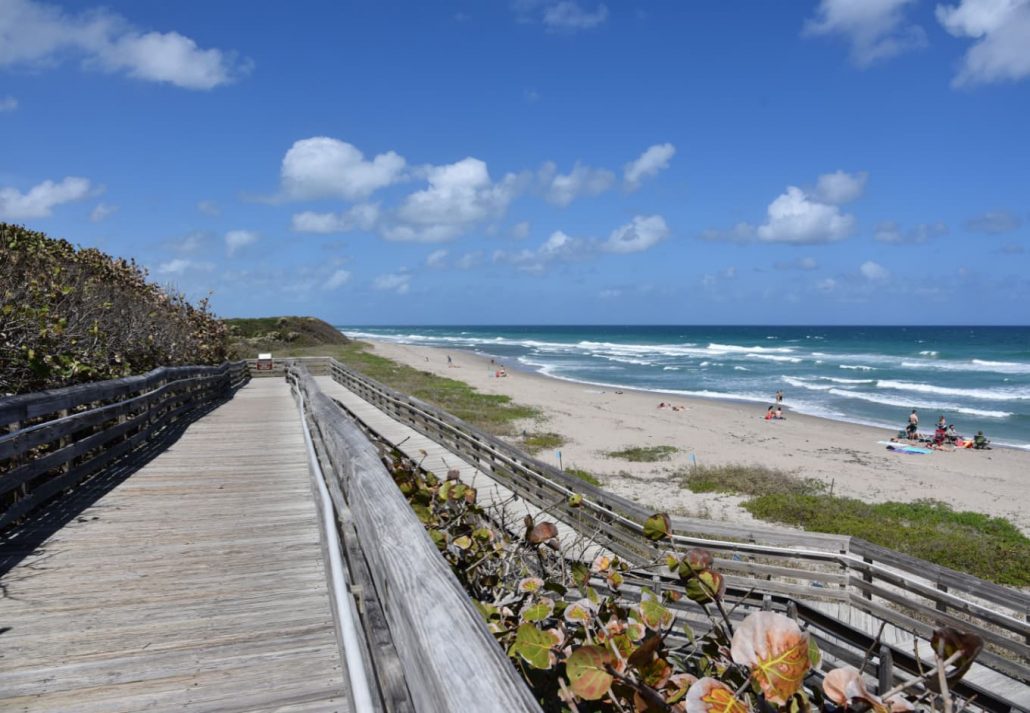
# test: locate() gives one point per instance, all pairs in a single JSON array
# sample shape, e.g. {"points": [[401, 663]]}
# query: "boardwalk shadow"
{"points": [[27, 539]]}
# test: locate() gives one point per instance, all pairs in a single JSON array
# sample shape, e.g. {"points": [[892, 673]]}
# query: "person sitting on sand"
{"points": [[942, 422], [771, 413], [939, 436], [779, 413], [662, 405], [952, 434], [980, 441]]}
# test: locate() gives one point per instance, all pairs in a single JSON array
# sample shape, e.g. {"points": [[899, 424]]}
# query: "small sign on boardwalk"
{"points": [[264, 362]]}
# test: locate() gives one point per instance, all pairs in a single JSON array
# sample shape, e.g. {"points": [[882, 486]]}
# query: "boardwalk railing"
{"points": [[450, 660], [834, 579], [51, 441]]}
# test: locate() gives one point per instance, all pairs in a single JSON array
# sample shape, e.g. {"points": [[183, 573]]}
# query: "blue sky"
{"points": [[536, 161]]}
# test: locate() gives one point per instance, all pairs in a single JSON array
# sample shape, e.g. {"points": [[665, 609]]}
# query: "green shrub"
{"points": [[74, 315], [583, 475], [644, 454], [541, 441]]}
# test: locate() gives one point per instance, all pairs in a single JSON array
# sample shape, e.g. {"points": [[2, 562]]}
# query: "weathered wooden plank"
{"points": [[200, 583], [451, 660]]}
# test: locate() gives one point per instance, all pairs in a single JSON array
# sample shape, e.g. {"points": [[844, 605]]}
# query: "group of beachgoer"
{"points": [[775, 411], [944, 435], [674, 407]]}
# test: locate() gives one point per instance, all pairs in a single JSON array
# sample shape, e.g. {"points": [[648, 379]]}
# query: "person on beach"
{"points": [[779, 397], [913, 419], [779, 413], [942, 422], [980, 441], [771, 413], [449, 362]]}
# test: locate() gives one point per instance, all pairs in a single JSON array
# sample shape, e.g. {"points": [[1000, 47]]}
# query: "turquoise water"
{"points": [[977, 377]]}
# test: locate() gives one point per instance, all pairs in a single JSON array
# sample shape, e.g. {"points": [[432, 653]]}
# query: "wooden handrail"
{"points": [[873, 574], [57, 439], [451, 661]]}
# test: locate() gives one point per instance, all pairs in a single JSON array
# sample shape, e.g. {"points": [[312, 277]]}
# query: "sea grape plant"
{"points": [[584, 640]]}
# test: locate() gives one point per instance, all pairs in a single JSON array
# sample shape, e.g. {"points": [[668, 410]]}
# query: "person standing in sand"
{"points": [[779, 397], [913, 418]]}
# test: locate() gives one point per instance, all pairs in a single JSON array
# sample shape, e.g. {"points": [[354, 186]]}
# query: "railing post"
{"points": [[941, 606], [885, 669], [867, 576]]}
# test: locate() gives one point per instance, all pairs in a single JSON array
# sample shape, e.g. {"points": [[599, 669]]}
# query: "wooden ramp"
{"points": [[197, 584]]}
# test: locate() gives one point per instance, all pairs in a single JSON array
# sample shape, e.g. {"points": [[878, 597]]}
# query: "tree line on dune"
{"points": [[71, 315]]}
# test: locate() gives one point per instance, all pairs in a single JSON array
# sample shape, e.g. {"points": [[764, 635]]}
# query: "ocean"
{"points": [[977, 377]]}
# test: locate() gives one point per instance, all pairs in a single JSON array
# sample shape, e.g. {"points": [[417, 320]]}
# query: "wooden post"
{"points": [[885, 669]]}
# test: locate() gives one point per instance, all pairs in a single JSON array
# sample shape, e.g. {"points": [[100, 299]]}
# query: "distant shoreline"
{"points": [[595, 419]]}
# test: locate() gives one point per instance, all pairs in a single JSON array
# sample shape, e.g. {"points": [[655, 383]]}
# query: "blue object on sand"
{"points": [[905, 448]]}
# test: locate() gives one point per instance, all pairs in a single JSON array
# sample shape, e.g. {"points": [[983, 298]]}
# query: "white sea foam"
{"points": [[734, 349], [803, 384], [741, 368], [928, 353], [774, 357], [838, 380], [704, 363], [858, 367], [981, 394], [998, 367], [670, 368], [888, 400]]}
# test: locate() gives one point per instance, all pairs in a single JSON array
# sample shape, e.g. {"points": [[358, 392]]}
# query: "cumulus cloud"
{"points": [[102, 211], [363, 216], [459, 196], [801, 217], [891, 233], [994, 222], [41, 199], [560, 247], [875, 29], [569, 16], [562, 189], [1001, 30], [873, 271], [840, 187], [337, 279], [437, 259], [398, 282], [236, 240], [323, 167], [644, 232], [180, 265], [469, 260], [654, 160], [36, 34], [8, 104], [796, 218]]}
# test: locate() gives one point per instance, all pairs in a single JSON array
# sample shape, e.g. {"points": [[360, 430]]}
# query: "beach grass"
{"points": [[583, 475], [643, 454], [988, 547], [541, 441], [492, 413]]}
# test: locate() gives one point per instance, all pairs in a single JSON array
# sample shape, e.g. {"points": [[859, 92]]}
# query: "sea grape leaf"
{"points": [[539, 610], [587, 670], [530, 584], [776, 650], [533, 646], [658, 527], [542, 532]]}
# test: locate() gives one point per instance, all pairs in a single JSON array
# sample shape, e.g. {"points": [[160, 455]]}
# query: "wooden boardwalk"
{"points": [[197, 584]]}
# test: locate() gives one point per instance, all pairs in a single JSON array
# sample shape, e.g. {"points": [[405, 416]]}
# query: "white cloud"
{"points": [[191, 242], [796, 218], [437, 259], [236, 240], [570, 16], [994, 222], [654, 160], [180, 265], [363, 216], [209, 208], [8, 104], [644, 232], [395, 282], [337, 279], [520, 231], [891, 233], [562, 189], [102, 211], [43, 198], [840, 187], [560, 247], [1002, 32], [37, 34], [876, 29], [323, 167], [460, 195], [469, 260], [826, 285], [873, 271]]}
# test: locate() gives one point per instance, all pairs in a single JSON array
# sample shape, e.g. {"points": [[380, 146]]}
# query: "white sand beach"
{"points": [[595, 420]]}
